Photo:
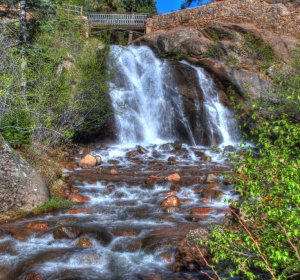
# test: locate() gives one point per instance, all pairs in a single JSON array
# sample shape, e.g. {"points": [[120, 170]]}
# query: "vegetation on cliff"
{"points": [[261, 241]]}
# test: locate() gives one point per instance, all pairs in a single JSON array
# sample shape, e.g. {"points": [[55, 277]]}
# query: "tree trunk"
{"points": [[23, 27], [23, 41]]}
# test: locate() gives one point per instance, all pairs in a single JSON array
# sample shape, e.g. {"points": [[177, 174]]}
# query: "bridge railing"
{"points": [[135, 20], [71, 10]]}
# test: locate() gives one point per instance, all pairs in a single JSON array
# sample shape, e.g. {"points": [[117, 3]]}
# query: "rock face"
{"points": [[21, 188], [235, 40], [234, 53]]}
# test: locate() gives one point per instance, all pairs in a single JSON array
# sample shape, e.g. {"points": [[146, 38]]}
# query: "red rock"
{"points": [[186, 200], [201, 210], [169, 193], [70, 165], [80, 211], [79, 198], [211, 178], [113, 171], [33, 276], [37, 226], [88, 161], [206, 200], [174, 177], [124, 233], [66, 232], [84, 243], [171, 201]]}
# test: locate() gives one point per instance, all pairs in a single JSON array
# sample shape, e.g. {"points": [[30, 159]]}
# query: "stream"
{"points": [[125, 227]]}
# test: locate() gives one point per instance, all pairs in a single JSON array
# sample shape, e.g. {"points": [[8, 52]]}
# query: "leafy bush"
{"points": [[260, 50], [261, 241]]}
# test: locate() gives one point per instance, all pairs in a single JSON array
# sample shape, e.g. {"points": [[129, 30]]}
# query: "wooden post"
{"points": [[130, 37]]}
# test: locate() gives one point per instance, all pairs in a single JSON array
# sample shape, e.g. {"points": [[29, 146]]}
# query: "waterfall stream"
{"points": [[147, 102], [122, 230]]}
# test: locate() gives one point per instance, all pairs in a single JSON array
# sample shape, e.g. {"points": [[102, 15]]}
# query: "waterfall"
{"points": [[148, 106], [219, 117]]}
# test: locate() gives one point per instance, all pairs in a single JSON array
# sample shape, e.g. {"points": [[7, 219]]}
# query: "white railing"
{"points": [[72, 10], [137, 20]]}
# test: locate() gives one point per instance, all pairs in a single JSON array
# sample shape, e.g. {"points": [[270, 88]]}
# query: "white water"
{"points": [[146, 109], [218, 115]]}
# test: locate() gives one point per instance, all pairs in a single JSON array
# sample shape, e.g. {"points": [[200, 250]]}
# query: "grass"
{"points": [[48, 206], [213, 51], [260, 50]]}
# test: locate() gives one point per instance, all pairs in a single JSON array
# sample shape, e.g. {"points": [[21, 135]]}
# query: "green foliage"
{"points": [[231, 59], [260, 50], [213, 51], [52, 205], [262, 240], [15, 127]]}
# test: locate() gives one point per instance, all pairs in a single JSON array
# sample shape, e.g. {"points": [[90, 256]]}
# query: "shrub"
{"points": [[261, 241], [213, 51]]}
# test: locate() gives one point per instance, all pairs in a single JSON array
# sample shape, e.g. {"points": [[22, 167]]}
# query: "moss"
{"points": [[48, 206], [231, 59], [259, 50], [213, 51]]}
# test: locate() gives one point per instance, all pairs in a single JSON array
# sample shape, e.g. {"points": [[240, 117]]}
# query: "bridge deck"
{"points": [[135, 21]]}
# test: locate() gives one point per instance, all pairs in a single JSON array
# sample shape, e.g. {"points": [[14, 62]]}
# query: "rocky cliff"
{"points": [[21, 188], [240, 42]]}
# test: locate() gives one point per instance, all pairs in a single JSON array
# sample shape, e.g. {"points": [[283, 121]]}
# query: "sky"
{"points": [[165, 6]]}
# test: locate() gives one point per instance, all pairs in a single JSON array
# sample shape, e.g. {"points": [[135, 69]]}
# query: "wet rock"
{"points": [[113, 171], [80, 211], [172, 160], [7, 247], [70, 165], [33, 276], [79, 198], [186, 200], [37, 226], [171, 210], [165, 147], [201, 210], [99, 160], [66, 232], [119, 194], [88, 161], [90, 258], [132, 154], [156, 154], [84, 243], [111, 188], [175, 187], [113, 161], [174, 177], [211, 191], [187, 256], [66, 221], [177, 145], [229, 149], [141, 149], [104, 237], [211, 178], [124, 232], [206, 200], [171, 201], [128, 246]]}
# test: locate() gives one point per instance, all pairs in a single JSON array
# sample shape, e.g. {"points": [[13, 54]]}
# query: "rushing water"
{"points": [[146, 110], [130, 235]]}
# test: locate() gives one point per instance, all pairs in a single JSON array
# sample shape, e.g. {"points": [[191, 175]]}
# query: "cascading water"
{"points": [[143, 111], [219, 117], [124, 230], [147, 103]]}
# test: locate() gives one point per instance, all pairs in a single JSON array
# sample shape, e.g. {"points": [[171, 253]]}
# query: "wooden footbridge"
{"points": [[131, 22]]}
